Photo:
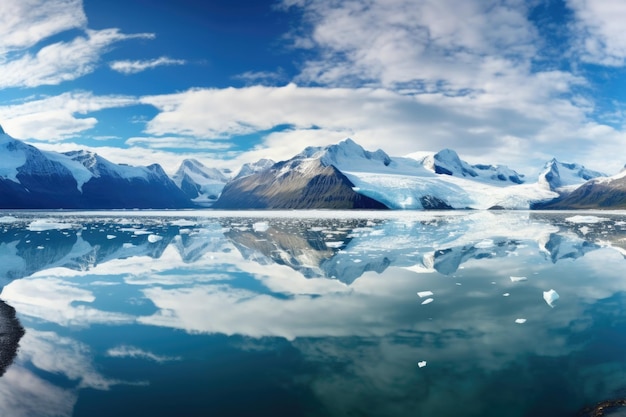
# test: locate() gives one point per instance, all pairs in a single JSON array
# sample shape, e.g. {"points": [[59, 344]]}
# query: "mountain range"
{"points": [[340, 176]]}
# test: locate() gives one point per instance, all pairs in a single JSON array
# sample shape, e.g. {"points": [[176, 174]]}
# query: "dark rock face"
{"points": [[313, 187], [11, 331], [594, 194]]}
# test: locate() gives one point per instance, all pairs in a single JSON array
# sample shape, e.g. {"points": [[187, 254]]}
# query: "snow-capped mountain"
{"points": [[201, 184], [303, 182], [564, 177], [31, 178], [597, 193], [442, 181], [448, 162], [254, 167]]}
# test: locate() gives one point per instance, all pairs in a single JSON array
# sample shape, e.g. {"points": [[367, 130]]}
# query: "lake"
{"points": [[313, 313]]}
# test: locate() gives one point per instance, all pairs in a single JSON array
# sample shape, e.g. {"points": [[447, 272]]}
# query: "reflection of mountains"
{"points": [[342, 249]]}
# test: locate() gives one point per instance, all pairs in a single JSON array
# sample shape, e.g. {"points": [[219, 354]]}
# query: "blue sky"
{"points": [[512, 82]]}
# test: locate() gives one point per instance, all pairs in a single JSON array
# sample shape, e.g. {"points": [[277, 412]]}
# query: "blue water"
{"points": [[314, 313]]}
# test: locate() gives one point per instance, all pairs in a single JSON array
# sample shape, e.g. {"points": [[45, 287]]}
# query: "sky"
{"points": [[511, 82]]}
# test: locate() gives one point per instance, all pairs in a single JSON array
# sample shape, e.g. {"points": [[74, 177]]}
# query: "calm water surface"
{"points": [[314, 313]]}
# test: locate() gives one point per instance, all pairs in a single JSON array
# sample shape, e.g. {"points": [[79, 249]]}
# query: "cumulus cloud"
{"points": [[25, 23], [134, 67], [55, 118], [599, 28], [61, 61]]}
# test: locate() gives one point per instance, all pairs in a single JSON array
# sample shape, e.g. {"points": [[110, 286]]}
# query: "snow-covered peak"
{"points": [[198, 171], [99, 166], [349, 155], [560, 175], [12, 156], [447, 162], [252, 168]]}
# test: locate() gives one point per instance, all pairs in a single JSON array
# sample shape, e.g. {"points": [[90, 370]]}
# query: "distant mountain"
{"points": [[255, 167], [597, 193], [302, 182], [564, 177], [448, 162], [31, 178], [201, 184], [347, 176]]}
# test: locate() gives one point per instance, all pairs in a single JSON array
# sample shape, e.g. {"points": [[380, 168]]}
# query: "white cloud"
{"points": [[56, 118], [25, 23], [133, 67], [599, 26], [61, 61]]}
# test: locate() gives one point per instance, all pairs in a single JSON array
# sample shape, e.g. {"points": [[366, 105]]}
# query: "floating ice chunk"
{"points": [[183, 223], [518, 279], [111, 237], [260, 227], [128, 245], [421, 364], [584, 230], [423, 294], [506, 294], [551, 297], [520, 321], [154, 238], [586, 219], [334, 244], [39, 247], [8, 219], [43, 225], [428, 301]]}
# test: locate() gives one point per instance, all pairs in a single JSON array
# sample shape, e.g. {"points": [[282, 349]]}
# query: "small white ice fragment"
{"points": [[518, 279], [154, 238], [486, 243], [111, 237], [423, 294], [520, 321], [506, 294], [421, 364], [551, 297], [260, 227], [428, 301]]}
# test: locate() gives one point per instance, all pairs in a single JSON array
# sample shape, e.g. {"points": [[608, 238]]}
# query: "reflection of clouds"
{"points": [[54, 300], [61, 355], [135, 352], [24, 394]]}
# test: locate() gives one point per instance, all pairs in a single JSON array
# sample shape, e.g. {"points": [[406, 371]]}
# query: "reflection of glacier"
{"points": [[342, 248]]}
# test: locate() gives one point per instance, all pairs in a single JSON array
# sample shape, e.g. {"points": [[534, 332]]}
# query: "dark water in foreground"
{"points": [[314, 313]]}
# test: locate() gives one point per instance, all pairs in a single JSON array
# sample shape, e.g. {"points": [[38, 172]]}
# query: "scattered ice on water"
{"points": [[423, 294], [128, 245], [518, 279], [421, 364], [428, 301], [334, 244], [520, 321], [111, 237], [43, 225], [551, 297]]}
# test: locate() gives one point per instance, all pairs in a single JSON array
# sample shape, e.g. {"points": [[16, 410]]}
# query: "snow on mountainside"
{"points": [[255, 167], [30, 178], [597, 193], [406, 183], [564, 177], [448, 162], [201, 184]]}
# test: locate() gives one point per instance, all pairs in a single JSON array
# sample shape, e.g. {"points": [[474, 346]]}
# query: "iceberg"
{"points": [[421, 364], [518, 279], [551, 297]]}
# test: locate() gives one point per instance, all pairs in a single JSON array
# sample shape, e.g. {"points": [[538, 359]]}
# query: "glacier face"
{"points": [[201, 184]]}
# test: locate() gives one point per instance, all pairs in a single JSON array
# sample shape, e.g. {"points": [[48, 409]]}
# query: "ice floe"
{"points": [[551, 297], [518, 279], [260, 227], [423, 294], [586, 219], [428, 301], [42, 225], [421, 364], [154, 238], [520, 321]]}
